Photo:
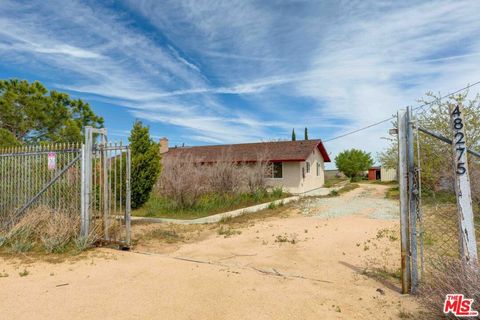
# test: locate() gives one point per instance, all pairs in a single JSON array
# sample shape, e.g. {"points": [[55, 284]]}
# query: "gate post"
{"points": [[403, 186], [412, 197], [128, 206], [86, 182], [468, 243], [106, 189]]}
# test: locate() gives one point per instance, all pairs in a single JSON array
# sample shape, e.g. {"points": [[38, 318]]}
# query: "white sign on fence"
{"points": [[468, 245], [52, 161]]}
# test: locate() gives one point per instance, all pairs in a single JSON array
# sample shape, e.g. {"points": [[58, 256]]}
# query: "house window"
{"points": [[319, 169], [308, 167], [277, 170]]}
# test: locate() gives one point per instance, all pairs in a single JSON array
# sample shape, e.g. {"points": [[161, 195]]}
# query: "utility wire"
{"points": [[393, 117]]}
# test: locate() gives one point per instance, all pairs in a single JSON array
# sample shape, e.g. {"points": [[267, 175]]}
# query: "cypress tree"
{"points": [[306, 133], [145, 163], [294, 137]]}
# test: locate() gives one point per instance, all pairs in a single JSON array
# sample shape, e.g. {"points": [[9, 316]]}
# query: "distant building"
{"points": [[333, 173], [382, 174], [298, 166]]}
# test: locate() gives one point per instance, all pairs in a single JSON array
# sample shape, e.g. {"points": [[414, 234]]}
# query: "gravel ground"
{"points": [[367, 201]]}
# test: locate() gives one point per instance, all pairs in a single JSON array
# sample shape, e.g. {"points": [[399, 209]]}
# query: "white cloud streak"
{"points": [[330, 66]]}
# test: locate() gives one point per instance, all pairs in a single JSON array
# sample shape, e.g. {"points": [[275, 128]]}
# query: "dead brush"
{"points": [[52, 230], [57, 231], [186, 180], [22, 237], [448, 276], [82, 243]]}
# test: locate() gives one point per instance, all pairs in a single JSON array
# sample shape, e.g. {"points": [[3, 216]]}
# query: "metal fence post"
{"points": [[403, 185], [128, 197], [82, 193], [412, 195], [106, 188], [86, 182]]}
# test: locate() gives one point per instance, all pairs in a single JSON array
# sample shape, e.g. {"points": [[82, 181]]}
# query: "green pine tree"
{"points": [[306, 133], [145, 163], [294, 137], [30, 113]]}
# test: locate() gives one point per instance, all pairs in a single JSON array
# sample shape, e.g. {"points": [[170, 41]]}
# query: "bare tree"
{"points": [[224, 175], [181, 180], [186, 180], [256, 174]]}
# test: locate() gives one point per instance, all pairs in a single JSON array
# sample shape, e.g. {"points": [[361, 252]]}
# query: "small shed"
{"points": [[374, 173], [382, 174]]}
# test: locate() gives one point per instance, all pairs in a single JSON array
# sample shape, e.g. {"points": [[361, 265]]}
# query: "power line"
{"points": [[393, 117], [429, 104], [358, 130]]}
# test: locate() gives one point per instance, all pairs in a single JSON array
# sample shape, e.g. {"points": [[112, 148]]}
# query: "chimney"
{"points": [[163, 145]]}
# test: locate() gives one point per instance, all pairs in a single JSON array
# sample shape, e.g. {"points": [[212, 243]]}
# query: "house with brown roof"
{"points": [[298, 166]]}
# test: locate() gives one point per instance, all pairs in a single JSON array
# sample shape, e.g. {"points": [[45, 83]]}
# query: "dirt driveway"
{"points": [[330, 258]]}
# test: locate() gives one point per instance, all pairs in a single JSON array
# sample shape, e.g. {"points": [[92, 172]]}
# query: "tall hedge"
{"points": [[145, 163]]}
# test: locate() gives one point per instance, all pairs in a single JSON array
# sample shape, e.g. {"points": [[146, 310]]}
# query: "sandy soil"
{"points": [[309, 264]]}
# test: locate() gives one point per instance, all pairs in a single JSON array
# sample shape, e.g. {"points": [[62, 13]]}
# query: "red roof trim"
{"points": [[323, 152]]}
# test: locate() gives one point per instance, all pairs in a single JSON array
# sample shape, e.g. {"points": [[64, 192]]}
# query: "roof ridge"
{"points": [[277, 150], [250, 143]]}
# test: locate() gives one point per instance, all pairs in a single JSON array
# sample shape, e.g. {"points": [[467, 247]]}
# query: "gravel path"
{"points": [[368, 200]]}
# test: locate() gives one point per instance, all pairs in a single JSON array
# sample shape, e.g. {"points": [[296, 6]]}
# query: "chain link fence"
{"points": [[437, 211]]}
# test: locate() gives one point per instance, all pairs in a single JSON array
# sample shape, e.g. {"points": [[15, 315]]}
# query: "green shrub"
{"points": [[333, 193], [145, 164], [277, 192], [353, 162], [272, 205]]}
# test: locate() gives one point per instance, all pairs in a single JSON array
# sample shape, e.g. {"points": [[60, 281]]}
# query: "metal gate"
{"points": [[44, 175], [105, 194], [90, 181]]}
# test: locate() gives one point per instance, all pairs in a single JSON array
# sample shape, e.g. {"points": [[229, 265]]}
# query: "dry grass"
{"points": [[186, 180], [448, 276], [47, 230]]}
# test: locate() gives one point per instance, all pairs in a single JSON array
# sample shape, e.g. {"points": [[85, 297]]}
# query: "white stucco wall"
{"points": [[293, 180]]}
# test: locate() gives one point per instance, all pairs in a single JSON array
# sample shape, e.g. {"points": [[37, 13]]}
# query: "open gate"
{"points": [[105, 194]]}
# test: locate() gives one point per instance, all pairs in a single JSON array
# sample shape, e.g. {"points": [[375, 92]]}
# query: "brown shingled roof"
{"points": [[248, 152]]}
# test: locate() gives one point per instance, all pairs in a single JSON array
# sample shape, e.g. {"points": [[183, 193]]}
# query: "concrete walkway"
{"points": [[217, 217], [235, 213]]}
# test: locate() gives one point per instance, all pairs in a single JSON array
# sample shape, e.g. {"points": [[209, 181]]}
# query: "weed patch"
{"points": [[284, 238], [24, 273], [227, 231]]}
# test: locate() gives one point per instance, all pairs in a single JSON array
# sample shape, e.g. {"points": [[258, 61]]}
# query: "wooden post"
{"points": [[412, 202], [403, 184], [468, 244]]}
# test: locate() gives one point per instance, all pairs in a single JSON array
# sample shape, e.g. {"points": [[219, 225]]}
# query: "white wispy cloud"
{"points": [[332, 66]]}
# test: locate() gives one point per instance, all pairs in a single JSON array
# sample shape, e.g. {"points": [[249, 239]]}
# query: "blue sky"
{"points": [[208, 72]]}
